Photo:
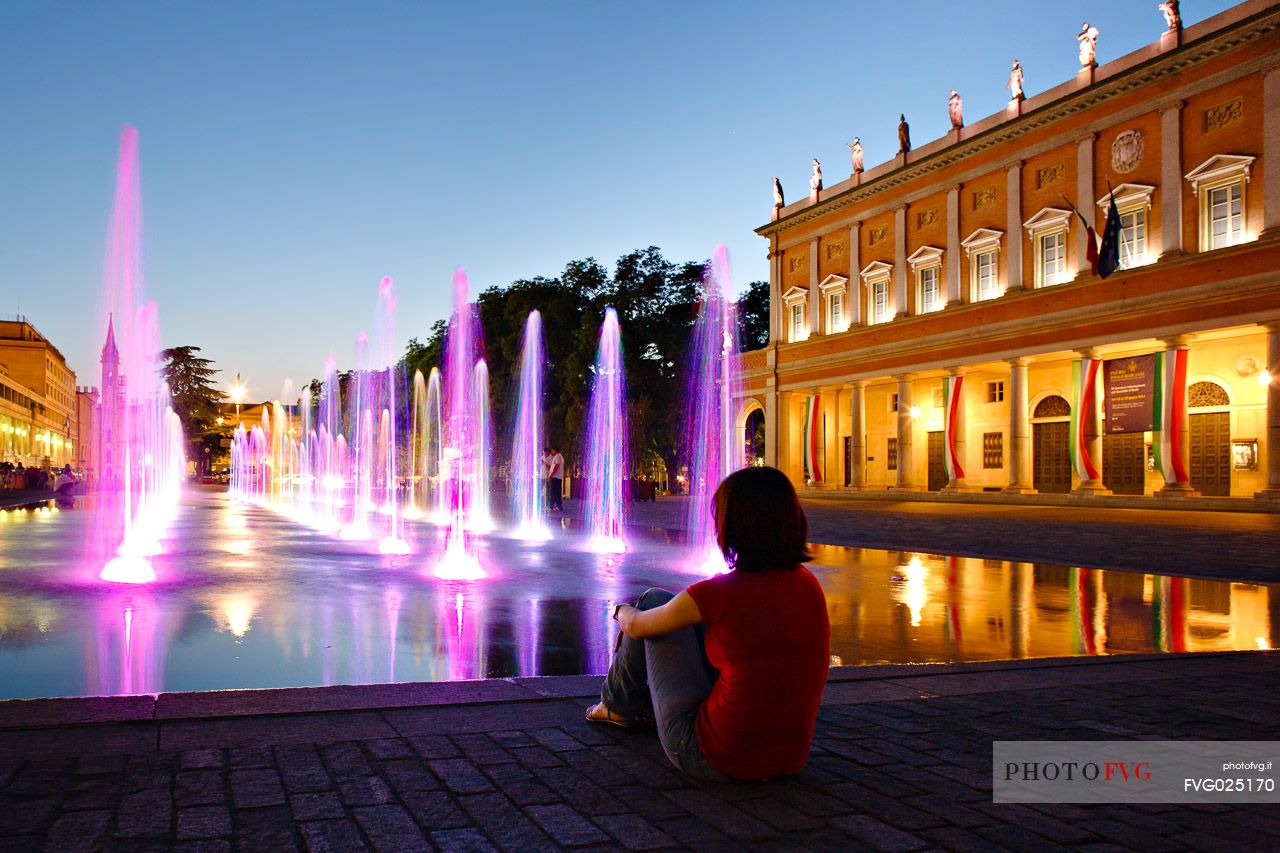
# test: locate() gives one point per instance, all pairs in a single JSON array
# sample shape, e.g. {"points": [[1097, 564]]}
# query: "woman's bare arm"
{"points": [[679, 612]]}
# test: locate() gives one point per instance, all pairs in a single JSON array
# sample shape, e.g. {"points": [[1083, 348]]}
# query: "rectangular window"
{"points": [[995, 392], [993, 450], [984, 271], [929, 297], [893, 402], [1053, 261], [797, 321], [835, 312], [891, 455], [1226, 215], [1133, 238], [880, 301], [937, 398]]}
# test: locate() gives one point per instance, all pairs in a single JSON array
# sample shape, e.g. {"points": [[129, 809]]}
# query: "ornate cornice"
{"points": [[1144, 74]]}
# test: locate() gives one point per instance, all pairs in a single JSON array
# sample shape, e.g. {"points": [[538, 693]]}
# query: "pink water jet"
{"points": [[607, 464], [526, 445]]}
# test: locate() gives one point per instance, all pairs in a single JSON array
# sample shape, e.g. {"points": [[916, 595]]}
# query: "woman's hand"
{"points": [[679, 612]]}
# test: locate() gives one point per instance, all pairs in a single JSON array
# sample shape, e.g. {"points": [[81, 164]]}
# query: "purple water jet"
{"points": [[526, 445], [607, 464]]}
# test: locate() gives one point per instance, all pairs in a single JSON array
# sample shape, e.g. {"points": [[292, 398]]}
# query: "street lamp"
{"points": [[237, 395]]}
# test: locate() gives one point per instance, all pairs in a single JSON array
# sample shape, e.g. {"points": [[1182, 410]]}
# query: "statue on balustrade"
{"points": [[855, 154], [1088, 38], [955, 109], [778, 202], [1172, 17], [904, 134], [815, 180], [1014, 84]]}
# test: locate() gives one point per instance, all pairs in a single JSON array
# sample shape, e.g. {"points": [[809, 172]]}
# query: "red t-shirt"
{"points": [[768, 634]]}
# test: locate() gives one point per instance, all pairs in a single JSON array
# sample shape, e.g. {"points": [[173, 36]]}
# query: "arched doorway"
{"points": [[1050, 445], [752, 433], [1209, 438]]}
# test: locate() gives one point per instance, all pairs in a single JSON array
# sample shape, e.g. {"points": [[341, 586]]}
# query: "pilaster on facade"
{"points": [[1171, 180], [1271, 154], [858, 435], [775, 292], [900, 304], [1272, 452], [953, 246], [1020, 482], [1084, 200], [815, 298], [855, 294], [1013, 211], [906, 480]]}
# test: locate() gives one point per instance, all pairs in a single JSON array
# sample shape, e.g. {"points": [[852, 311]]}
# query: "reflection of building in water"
{"points": [[906, 607]]}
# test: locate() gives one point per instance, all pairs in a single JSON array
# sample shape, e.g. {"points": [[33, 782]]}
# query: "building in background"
{"points": [[936, 322], [37, 398]]}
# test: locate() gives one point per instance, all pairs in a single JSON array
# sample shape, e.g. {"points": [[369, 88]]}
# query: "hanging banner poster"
{"points": [[1129, 385]]}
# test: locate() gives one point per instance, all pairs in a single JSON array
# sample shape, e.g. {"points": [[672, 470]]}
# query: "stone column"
{"points": [[900, 262], [815, 297], [1013, 227], [782, 420], [772, 400], [955, 430], [858, 435], [1271, 154], [855, 283], [1175, 443], [1084, 200], [775, 294], [953, 246], [906, 476], [1019, 430], [1090, 416], [1171, 180], [1272, 450]]}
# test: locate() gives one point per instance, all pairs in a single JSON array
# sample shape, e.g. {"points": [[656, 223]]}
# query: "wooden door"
{"points": [[848, 460], [1210, 448], [1124, 463], [1051, 457], [937, 467]]}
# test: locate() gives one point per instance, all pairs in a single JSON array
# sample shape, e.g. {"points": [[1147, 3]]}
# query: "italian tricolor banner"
{"points": [[1170, 406], [1084, 381], [951, 395], [813, 439]]}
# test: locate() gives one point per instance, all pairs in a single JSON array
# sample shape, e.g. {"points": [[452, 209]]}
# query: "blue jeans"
{"points": [[666, 679]]}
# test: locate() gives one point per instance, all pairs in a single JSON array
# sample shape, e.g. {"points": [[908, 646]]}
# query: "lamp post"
{"points": [[237, 394]]}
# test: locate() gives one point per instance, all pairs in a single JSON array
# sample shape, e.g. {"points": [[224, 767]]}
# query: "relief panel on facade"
{"points": [[1050, 175], [1127, 151], [925, 218], [1221, 115], [877, 234], [984, 197]]}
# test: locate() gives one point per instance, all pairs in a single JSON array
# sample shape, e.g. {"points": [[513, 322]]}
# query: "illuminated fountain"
{"points": [[607, 468], [139, 453], [426, 459], [712, 446], [388, 456], [526, 445]]}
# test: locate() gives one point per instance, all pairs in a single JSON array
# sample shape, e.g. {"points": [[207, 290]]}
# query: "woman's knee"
{"points": [[653, 597]]}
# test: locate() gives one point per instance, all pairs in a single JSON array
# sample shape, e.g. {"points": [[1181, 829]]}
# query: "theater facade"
{"points": [[935, 323]]}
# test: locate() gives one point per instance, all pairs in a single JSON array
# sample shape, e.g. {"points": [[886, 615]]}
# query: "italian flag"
{"points": [[812, 439], [951, 395], [1170, 408], [1084, 379]]}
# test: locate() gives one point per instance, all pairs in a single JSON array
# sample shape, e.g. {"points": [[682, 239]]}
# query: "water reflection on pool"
{"points": [[248, 598]]}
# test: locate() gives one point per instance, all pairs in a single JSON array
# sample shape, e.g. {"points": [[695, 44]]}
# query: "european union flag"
{"points": [[1109, 252]]}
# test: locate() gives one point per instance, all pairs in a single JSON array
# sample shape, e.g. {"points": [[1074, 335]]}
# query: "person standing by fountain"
{"points": [[555, 479], [732, 669]]}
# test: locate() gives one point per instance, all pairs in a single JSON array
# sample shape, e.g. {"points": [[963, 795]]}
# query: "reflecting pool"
{"points": [[246, 597]]}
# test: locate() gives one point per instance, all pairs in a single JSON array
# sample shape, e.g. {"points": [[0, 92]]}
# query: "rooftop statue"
{"points": [[1172, 17], [778, 202], [955, 109], [855, 154], [1014, 84], [1088, 38], [904, 134], [815, 180]]}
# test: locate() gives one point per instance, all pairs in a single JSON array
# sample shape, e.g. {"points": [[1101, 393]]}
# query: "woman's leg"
{"points": [[680, 680], [626, 687]]}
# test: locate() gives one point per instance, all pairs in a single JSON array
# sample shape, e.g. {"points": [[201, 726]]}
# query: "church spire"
{"points": [[109, 352]]}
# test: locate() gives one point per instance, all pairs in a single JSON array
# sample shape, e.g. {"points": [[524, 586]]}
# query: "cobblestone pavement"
{"points": [[901, 761], [1228, 545]]}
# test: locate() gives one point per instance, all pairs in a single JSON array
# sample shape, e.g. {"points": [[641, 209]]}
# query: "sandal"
{"points": [[600, 713]]}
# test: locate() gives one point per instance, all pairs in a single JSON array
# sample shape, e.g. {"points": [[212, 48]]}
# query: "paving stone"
{"points": [[204, 822], [460, 776], [386, 749], [693, 832], [409, 774], [256, 788], [301, 769], [75, 831], [332, 836], [481, 749], [250, 757], [727, 818], [434, 810], [565, 825], [556, 740], [145, 814], [204, 845], [322, 805], [956, 839], [266, 829], [509, 827], [876, 834], [634, 832], [580, 791], [92, 792], [536, 756], [598, 768], [434, 746], [346, 759], [20, 844], [199, 787], [201, 759], [389, 828], [365, 791], [461, 841]]}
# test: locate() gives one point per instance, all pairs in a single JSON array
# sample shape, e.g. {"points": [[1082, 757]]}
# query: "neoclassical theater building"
{"points": [[935, 322]]}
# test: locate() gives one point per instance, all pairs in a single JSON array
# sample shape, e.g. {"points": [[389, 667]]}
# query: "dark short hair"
{"points": [[760, 524]]}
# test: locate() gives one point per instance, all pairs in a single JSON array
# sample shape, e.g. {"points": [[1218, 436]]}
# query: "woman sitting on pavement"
{"points": [[731, 669]]}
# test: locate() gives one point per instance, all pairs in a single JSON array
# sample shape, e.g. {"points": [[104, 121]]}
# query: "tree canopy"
{"points": [[194, 398]]}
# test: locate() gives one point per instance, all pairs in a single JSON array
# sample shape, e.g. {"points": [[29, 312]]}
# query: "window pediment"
{"points": [[1048, 219], [1220, 167], [1128, 196], [794, 295], [981, 240], [875, 271], [833, 284], [925, 256]]}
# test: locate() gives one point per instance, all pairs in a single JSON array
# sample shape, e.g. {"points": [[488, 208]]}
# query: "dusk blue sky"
{"points": [[293, 153]]}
